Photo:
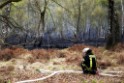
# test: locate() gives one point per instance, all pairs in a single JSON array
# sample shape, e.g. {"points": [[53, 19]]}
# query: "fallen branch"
{"points": [[59, 72], [7, 2]]}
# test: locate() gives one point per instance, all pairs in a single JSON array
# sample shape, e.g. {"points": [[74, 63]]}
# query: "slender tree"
{"points": [[78, 19], [122, 24]]}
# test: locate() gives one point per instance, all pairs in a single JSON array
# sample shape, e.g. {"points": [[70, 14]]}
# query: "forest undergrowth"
{"points": [[17, 63]]}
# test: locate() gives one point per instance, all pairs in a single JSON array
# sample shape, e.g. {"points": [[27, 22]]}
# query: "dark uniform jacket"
{"points": [[89, 63]]}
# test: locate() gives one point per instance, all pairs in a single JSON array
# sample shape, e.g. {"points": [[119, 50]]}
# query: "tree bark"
{"points": [[78, 20], [41, 24], [114, 36], [122, 24]]}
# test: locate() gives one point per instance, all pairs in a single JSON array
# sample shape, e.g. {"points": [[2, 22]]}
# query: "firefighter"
{"points": [[89, 62]]}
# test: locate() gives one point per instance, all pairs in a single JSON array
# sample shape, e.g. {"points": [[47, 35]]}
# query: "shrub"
{"points": [[6, 54], [2, 81], [104, 64], [9, 53], [40, 54], [61, 55], [120, 59]]}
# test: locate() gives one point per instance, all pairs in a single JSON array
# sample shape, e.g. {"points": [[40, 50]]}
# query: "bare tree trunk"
{"points": [[78, 20], [122, 23], [5, 25], [114, 36], [41, 24]]}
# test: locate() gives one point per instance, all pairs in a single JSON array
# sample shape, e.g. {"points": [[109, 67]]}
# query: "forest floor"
{"points": [[17, 64]]}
